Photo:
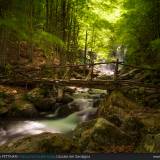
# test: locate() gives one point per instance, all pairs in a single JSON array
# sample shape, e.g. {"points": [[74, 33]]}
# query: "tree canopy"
{"points": [[70, 28]]}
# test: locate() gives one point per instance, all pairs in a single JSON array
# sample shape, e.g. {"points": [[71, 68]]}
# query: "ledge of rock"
{"points": [[116, 105], [100, 135], [42, 143], [149, 144], [22, 108]]}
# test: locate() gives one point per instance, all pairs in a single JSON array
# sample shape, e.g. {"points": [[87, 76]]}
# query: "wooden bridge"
{"points": [[116, 82]]}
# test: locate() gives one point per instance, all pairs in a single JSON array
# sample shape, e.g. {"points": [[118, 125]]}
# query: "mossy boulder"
{"points": [[149, 144], [46, 104], [115, 120], [5, 100], [22, 108], [41, 99], [133, 124], [152, 100], [100, 135], [35, 95], [42, 143], [134, 127], [65, 99], [116, 104], [65, 110], [3, 111], [3, 107]]}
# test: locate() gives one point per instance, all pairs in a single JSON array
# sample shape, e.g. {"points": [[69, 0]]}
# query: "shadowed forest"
{"points": [[79, 76]]}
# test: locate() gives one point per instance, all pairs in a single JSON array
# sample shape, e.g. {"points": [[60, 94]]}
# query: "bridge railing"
{"points": [[70, 67], [90, 68]]}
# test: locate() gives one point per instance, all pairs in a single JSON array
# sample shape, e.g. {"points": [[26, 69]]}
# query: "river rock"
{"points": [[100, 135], [65, 99], [3, 111], [116, 104], [46, 104], [42, 143], [152, 100], [115, 120], [35, 95], [3, 107], [132, 124], [149, 144], [42, 102], [5, 100], [96, 102], [66, 109], [22, 108], [134, 127]]}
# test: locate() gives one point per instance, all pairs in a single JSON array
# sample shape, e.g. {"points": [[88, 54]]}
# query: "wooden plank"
{"points": [[99, 84]]}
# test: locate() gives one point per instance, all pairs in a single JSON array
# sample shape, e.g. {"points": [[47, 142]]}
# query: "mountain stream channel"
{"points": [[86, 99]]}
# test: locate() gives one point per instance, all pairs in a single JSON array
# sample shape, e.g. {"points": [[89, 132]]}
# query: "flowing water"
{"points": [[106, 69], [15, 129], [83, 98]]}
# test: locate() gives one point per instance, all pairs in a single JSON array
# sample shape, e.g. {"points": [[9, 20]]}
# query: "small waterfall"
{"points": [[108, 69]]}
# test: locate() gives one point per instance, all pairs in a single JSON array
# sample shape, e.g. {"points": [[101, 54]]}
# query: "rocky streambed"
{"points": [[83, 120], [38, 111]]}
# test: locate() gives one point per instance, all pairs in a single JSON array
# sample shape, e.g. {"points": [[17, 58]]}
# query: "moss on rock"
{"points": [[149, 144], [100, 135], [5, 100], [116, 105], [22, 108], [42, 143], [35, 95]]}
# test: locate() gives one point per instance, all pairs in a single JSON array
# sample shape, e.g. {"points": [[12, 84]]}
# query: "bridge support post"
{"points": [[116, 70], [60, 92], [92, 67]]}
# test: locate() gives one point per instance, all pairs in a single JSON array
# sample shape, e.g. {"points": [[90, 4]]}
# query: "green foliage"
{"points": [[62, 26], [138, 29], [46, 40], [155, 45], [98, 19]]}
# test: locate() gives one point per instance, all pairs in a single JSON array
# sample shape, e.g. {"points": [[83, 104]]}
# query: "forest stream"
{"points": [[85, 99], [18, 128], [79, 76]]}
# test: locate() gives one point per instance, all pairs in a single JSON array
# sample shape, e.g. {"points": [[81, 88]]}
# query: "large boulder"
{"points": [[22, 108], [96, 102], [35, 95], [115, 120], [149, 144], [46, 104], [116, 104], [100, 135], [3, 111], [3, 107], [152, 100], [65, 99], [64, 110], [41, 100], [5, 100], [42, 143], [134, 127]]}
